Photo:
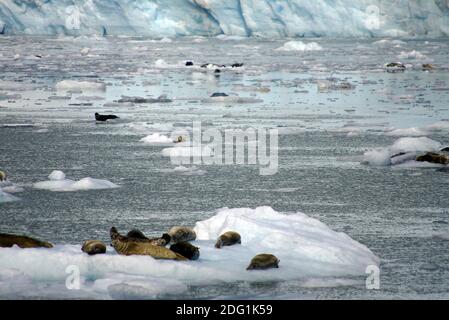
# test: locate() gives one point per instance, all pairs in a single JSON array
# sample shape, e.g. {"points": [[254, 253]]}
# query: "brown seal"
{"points": [[186, 249], [2, 176], [228, 239], [433, 158], [136, 235], [263, 261], [181, 234], [92, 247], [125, 247], [8, 240]]}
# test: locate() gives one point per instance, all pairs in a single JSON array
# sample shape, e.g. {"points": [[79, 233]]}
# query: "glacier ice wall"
{"points": [[262, 18]]}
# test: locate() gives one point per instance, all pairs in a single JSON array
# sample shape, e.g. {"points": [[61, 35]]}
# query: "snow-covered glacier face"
{"points": [[262, 18]]}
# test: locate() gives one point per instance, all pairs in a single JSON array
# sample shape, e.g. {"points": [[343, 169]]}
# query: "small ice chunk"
{"points": [[56, 175], [156, 138]]}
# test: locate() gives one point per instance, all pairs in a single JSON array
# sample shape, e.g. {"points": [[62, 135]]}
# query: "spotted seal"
{"points": [[92, 247], [228, 239], [125, 247], [186, 249], [433, 158], [8, 240], [263, 261], [181, 234], [136, 235], [2, 176]]}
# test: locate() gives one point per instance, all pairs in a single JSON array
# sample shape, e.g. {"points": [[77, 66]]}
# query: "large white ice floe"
{"points": [[230, 19], [58, 182], [307, 249], [403, 150]]}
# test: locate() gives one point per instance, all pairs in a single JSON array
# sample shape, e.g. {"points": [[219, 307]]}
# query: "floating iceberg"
{"points": [[230, 20], [307, 249], [58, 182]]}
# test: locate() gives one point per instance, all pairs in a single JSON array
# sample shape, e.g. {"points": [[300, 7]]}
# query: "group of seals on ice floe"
{"points": [[136, 243], [399, 67]]}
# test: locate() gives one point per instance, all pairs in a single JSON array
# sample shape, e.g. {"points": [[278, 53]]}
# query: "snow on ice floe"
{"points": [[156, 138], [300, 46], [409, 146], [307, 249], [80, 85], [58, 182], [412, 55]]}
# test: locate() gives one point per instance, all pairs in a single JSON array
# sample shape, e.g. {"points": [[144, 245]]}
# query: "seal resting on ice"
{"points": [[92, 247], [263, 261], [9, 240], [228, 239], [128, 248]]}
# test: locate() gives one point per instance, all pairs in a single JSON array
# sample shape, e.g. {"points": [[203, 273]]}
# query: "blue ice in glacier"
{"points": [[260, 18]]}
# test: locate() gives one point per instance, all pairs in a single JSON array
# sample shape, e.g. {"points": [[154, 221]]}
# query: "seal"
{"points": [[129, 248], [136, 235], [180, 139], [92, 247], [181, 234], [395, 67], [104, 117], [8, 240], [2, 176], [189, 63], [228, 239], [186, 249], [263, 261], [433, 158]]}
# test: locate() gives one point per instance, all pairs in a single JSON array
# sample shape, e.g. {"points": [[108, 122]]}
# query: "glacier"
{"points": [[245, 18]]}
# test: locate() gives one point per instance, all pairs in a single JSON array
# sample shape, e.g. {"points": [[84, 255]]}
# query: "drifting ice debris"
{"points": [[395, 67], [324, 85], [212, 66], [161, 99]]}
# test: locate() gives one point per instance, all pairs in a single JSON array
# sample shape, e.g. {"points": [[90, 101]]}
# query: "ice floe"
{"points": [[156, 138], [81, 85], [300, 46], [307, 249], [402, 150], [58, 182]]}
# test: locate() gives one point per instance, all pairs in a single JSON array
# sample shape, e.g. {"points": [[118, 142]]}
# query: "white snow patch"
{"points": [[300, 46]]}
